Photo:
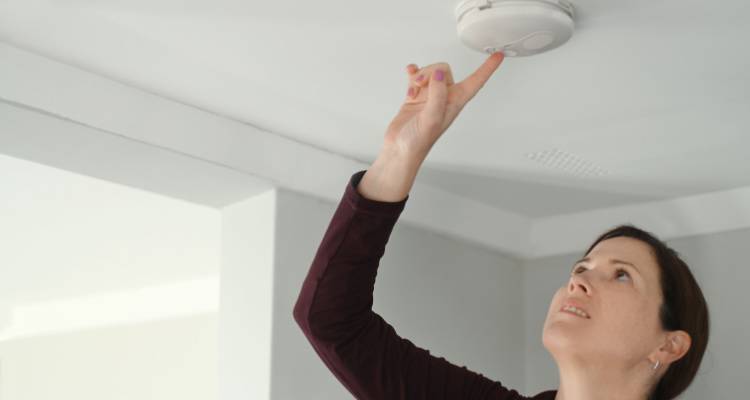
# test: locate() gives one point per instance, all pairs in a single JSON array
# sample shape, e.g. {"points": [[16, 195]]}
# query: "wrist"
{"points": [[390, 177], [403, 158]]}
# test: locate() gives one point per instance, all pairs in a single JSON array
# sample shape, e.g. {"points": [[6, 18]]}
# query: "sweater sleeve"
{"points": [[363, 351]]}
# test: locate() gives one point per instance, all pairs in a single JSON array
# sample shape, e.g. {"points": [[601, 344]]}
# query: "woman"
{"points": [[631, 322]]}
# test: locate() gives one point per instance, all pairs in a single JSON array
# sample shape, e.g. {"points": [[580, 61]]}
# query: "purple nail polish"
{"points": [[420, 77], [439, 75]]}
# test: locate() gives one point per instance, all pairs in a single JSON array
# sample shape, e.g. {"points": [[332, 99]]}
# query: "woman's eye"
{"points": [[620, 272]]}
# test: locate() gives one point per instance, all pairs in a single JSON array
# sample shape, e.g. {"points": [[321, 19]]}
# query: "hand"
{"points": [[433, 106]]}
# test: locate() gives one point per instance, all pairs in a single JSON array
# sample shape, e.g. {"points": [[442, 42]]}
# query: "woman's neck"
{"points": [[603, 382]]}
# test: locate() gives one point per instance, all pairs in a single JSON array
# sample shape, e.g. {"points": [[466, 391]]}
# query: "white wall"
{"points": [[246, 309], [166, 359], [718, 264], [66, 236], [460, 301], [106, 292]]}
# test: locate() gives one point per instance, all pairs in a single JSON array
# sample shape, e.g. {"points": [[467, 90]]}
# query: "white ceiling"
{"points": [[654, 92]]}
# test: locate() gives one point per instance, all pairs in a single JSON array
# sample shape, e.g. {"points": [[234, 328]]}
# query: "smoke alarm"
{"points": [[515, 27]]}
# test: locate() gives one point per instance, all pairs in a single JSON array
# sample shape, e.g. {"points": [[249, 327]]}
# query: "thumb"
{"points": [[437, 96]]}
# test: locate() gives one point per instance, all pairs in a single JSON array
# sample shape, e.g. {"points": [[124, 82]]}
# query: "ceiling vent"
{"points": [[567, 162]]}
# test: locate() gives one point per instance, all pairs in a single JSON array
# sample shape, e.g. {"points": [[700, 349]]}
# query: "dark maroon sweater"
{"points": [[363, 351]]}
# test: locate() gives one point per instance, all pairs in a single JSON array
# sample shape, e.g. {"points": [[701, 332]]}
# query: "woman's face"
{"points": [[622, 303]]}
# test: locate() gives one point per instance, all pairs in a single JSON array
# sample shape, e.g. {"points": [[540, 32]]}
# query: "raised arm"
{"points": [[334, 308], [363, 351]]}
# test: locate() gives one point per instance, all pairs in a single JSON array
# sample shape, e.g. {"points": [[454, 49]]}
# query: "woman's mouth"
{"points": [[575, 311]]}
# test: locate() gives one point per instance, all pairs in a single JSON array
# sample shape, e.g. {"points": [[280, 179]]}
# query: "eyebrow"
{"points": [[611, 261]]}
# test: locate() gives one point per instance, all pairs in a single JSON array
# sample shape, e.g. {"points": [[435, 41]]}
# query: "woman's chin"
{"points": [[561, 335]]}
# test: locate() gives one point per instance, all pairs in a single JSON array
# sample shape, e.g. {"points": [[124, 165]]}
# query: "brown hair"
{"points": [[684, 308]]}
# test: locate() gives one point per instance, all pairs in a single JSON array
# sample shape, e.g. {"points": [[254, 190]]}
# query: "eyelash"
{"points": [[616, 271]]}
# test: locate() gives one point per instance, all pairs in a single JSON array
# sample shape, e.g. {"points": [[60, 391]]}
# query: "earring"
{"points": [[656, 365]]}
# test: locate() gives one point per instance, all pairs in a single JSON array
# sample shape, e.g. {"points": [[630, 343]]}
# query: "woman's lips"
{"points": [[578, 311], [572, 313]]}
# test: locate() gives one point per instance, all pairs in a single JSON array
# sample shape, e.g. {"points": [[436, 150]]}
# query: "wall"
{"points": [[718, 264], [247, 276], [80, 262], [67, 236], [166, 359]]}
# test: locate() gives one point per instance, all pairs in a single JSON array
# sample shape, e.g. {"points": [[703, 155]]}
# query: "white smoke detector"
{"points": [[515, 27]]}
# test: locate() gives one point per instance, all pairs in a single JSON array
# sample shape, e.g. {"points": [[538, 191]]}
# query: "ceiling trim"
{"points": [[693, 215], [39, 137]]}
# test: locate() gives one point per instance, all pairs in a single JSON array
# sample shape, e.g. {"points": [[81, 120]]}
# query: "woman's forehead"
{"points": [[626, 249]]}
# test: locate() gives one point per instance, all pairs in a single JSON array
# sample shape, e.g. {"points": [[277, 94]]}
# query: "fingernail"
{"points": [[410, 93], [420, 77], [439, 75]]}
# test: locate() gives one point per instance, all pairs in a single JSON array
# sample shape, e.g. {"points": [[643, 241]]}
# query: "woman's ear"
{"points": [[676, 345]]}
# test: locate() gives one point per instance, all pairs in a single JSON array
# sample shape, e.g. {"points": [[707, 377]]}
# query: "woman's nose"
{"points": [[577, 283]]}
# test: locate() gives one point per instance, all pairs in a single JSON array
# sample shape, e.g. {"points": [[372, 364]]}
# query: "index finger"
{"points": [[475, 81]]}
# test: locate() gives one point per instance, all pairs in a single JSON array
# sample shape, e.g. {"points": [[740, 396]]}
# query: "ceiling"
{"points": [[653, 92]]}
